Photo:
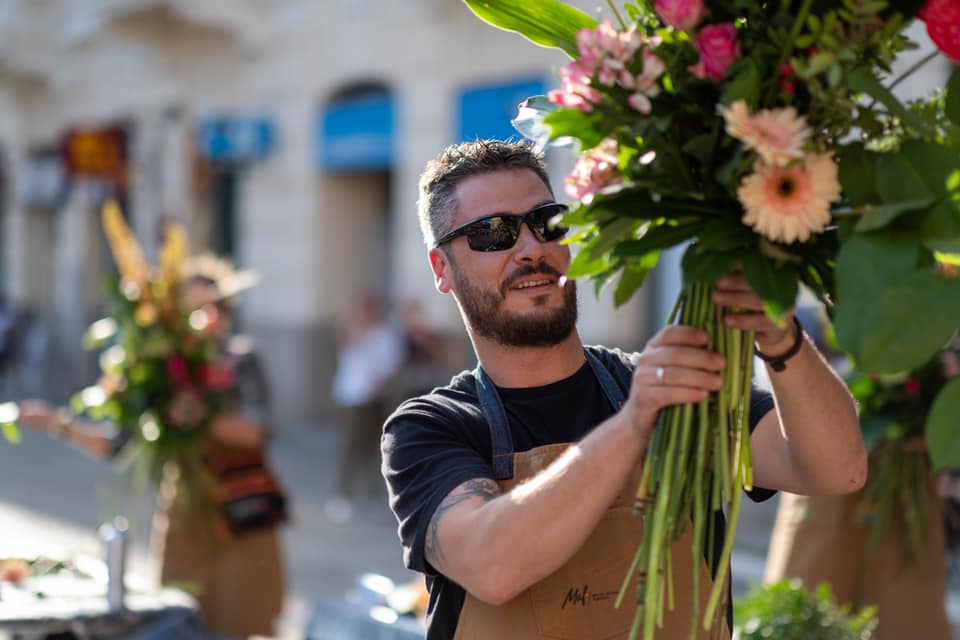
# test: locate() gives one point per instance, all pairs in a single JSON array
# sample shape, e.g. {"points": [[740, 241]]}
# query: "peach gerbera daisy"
{"points": [[776, 134], [786, 204]]}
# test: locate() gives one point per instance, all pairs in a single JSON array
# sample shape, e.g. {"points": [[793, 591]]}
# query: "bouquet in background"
{"points": [[764, 137], [899, 493], [163, 371]]}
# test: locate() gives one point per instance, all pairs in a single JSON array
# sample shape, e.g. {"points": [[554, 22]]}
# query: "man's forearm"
{"points": [[520, 537], [820, 425]]}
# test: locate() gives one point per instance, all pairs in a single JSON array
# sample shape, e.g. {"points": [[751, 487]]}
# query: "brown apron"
{"points": [[819, 539], [576, 602]]}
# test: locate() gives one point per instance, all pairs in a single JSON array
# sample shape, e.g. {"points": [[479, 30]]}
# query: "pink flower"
{"points": [[644, 85], [680, 14], [718, 48], [777, 135], [787, 204], [943, 25], [594, 171]]}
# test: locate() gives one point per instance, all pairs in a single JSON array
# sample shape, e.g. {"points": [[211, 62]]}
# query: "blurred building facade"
{"points": [[287, 134]]}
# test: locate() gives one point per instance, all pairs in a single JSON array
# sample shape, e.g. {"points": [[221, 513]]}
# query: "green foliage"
{"points": [[786, 611], [941, 428], [545, 22]]}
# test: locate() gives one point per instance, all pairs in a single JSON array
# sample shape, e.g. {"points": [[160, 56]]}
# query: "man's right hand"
{"points": [[675, 367], [37, 415]]}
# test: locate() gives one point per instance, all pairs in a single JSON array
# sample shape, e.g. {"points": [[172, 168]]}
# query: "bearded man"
{"points": [[513, 485]]}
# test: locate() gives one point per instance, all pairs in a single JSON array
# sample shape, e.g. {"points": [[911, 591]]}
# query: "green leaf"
{"points": [[11, 432], [909, 322], [775, 283], [631, 280], [548, 23], [877, 217], [943, 427], [707, 266], [896, 179], [583, 265], [941, 229], [860, 80], [856, 174], [585, 127], [952, 109], [656, 238], [745, 85], [935, 164], [866, 263], [609, 235]]}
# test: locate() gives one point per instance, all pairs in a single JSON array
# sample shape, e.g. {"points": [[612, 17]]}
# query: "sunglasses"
{"points": [[500, 231]]}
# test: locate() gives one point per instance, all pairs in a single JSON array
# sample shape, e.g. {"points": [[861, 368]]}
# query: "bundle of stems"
{"points": [[897, 501], [698, 462]]}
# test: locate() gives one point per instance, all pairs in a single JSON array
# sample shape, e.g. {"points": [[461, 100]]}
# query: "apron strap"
{"points": [[615, 393], [493, 412], [500, 439]]}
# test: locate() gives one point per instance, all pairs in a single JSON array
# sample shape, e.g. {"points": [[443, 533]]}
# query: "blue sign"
{"points": [[356, 133], [235, 138], [486, 112]]}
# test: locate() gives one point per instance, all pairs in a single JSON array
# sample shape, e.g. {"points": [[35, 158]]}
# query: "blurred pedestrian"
{"points": [[235, 568], [428, 357], [369, 354]]}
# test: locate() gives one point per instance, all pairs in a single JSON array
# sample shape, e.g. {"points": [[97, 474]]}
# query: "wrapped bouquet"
{"points": [[764, 137], [164, 375]]}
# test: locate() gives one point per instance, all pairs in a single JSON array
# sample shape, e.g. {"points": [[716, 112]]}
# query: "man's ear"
{"points": [[442, 278]]}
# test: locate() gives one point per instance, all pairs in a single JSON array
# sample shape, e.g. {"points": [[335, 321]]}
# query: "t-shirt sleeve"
{"points": [[761, 403], [427, 452]]}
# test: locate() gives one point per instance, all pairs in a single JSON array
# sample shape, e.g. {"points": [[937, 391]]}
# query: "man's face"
{"points": [[519, 296]]}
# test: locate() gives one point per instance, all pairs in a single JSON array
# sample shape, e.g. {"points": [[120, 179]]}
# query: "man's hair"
{"points": [[438, 182]]}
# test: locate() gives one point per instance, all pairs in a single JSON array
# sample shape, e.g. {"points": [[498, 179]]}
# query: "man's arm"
{"points": [[812, 443], [496, 545]]}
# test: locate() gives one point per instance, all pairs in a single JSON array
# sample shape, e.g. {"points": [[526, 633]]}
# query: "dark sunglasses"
{"points": [[500, 231]]}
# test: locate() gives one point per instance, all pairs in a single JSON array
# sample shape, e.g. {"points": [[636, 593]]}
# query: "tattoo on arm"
{"points": [[483, 488]]}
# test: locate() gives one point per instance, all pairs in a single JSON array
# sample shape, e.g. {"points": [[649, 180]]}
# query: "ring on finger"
{"points": [[660, 373]]}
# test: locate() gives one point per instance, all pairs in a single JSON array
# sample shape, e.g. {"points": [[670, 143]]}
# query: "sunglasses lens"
{"points": [[493, 234], [542, 221]]}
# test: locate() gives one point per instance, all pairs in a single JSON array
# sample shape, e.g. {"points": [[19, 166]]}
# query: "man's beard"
{"points": [[482, 311]]}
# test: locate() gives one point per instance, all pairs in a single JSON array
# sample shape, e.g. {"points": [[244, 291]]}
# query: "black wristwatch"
{"points": [[779, 363]]}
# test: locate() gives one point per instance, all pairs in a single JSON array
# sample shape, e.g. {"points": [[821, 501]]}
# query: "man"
{"points": [[511, 485]]}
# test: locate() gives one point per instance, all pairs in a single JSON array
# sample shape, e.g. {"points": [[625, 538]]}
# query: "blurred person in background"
{"points": [[429, 357], [369, 354], [235, 569], [513, 486]]}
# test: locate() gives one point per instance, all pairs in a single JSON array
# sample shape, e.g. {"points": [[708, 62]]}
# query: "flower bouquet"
{"points": [[764, 137], [163, 372]]}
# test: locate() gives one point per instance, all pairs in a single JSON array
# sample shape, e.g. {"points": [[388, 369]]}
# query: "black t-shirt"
{"points": [[436, 442]]}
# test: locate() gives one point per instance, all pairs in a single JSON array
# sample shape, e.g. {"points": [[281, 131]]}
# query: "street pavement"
{"points": [[55, 496]]}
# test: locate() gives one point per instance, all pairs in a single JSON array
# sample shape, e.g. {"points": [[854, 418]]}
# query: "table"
{"points": [[68, 596]]}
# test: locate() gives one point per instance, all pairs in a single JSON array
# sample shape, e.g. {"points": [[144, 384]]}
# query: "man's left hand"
{"points": [[734, 292]]}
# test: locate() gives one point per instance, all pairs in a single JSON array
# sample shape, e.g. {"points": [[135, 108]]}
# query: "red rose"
{"points": [[943, 25], [718, 48]]}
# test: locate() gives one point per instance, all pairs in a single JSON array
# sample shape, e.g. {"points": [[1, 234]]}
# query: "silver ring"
{"points": [[660, 372]]}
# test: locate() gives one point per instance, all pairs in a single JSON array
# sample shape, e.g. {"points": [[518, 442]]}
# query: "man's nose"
{"points": [[528, 247]]}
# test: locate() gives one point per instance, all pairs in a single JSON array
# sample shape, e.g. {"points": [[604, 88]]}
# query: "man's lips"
{"points": [[532, 284], [534, 278]]}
